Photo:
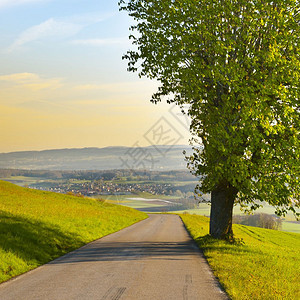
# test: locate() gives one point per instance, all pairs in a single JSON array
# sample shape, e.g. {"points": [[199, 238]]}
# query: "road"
{"points": [[154, 259]]}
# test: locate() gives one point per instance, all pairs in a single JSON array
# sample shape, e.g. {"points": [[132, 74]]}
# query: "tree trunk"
{"points": [[222, 200]]}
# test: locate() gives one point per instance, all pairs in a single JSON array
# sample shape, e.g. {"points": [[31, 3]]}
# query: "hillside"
{"points": [[37, 226], [262, 264], [151, 158]]}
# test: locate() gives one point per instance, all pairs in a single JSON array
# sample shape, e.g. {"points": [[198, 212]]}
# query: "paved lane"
{"points": [[153, 259]]}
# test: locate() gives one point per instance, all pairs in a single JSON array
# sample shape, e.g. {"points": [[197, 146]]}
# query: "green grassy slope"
{"points": [[36, 226], [265, 267]]}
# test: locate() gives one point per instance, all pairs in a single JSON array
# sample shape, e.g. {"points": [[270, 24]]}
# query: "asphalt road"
{"points": [[154, 259]]}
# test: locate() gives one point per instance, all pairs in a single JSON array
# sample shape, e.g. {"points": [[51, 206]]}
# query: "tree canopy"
{"points": [[236, 64]]}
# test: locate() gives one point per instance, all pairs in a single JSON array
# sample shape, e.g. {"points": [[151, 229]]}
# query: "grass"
{"points": [[289, 222], [37, 226], [291, 226], [265, 267]]}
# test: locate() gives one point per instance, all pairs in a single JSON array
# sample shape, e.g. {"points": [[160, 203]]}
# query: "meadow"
{"points": [[263, 264], [37, 226], [289, 222]]}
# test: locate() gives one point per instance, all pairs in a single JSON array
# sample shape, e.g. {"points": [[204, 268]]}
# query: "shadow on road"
{"points": [[118, 251]]}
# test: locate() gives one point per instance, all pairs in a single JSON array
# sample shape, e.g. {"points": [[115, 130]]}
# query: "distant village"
{"points": [[110, 188], [180, 184]]}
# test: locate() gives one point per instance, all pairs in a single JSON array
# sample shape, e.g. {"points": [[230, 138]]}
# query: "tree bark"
{"points": [[222, 200]]}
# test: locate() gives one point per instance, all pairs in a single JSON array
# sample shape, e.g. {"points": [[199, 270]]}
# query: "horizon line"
{"points": [[106, 147]]}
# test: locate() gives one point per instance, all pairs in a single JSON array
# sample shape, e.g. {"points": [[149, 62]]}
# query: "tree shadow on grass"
{"points": [[208, 243], [35, 242]]}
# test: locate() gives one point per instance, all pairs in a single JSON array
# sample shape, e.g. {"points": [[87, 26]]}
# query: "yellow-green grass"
{"points": [[265, 267], [37, 226]]}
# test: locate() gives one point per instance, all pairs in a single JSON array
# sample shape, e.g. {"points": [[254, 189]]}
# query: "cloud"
{"points": [[19, 77], [31, 81], [49, 28], [101, 42], [63, 28], [6, 3]]}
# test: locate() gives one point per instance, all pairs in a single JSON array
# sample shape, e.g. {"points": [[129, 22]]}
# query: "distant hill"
{"points": [[150, 158]]}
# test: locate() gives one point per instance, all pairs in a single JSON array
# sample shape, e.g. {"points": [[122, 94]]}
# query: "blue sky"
{"points": [[63, 82], [63, 37]]}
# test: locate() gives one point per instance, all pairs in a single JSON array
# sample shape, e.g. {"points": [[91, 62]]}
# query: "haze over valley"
{"points": [[149, 158]]}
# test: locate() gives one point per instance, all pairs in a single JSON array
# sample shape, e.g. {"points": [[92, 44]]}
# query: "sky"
{"points": [[63, 83]]}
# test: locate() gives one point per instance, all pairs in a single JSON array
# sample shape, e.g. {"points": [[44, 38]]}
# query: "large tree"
{"points": [[236, 64]]}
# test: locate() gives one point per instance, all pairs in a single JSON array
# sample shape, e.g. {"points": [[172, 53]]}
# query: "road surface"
{"points": [[154, 259]]}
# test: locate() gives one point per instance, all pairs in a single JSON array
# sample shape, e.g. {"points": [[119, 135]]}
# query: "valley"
{"points": [[147, 191]]}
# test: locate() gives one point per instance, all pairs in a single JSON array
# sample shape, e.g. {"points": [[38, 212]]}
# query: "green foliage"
{"points": [[261, 264], [36, 227], [235, 63]]}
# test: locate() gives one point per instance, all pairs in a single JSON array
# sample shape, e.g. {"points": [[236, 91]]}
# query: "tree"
{"points": [[235, 63]]}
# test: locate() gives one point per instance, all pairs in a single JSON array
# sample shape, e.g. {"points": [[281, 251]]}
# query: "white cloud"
{"points": [[61, 28], [5, 3], [49, 28], [101, 42]]}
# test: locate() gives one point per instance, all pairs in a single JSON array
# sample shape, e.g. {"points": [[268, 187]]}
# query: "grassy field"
{"points": [[134, 202], [22, 180], [265, 266], [36, 226], [289, 222], [291, 226]]}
